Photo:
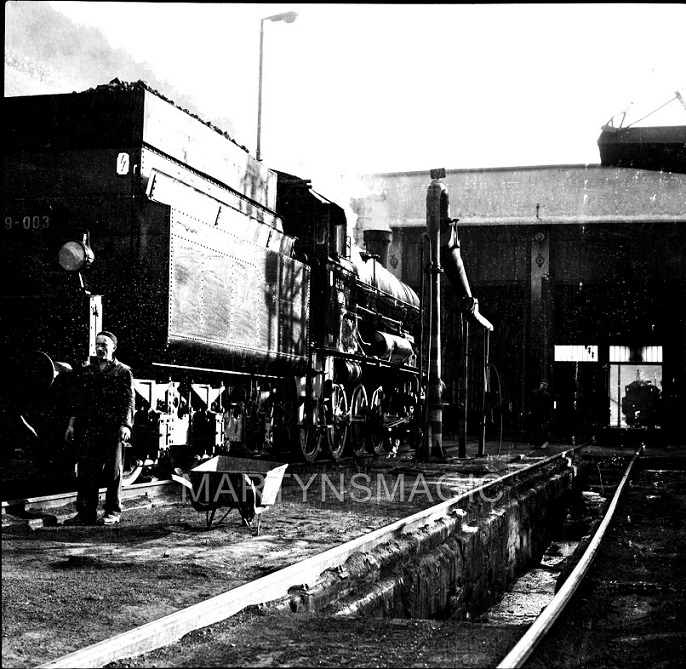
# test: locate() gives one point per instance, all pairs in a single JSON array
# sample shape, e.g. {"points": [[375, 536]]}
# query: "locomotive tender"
{"points": [[249, 319]]}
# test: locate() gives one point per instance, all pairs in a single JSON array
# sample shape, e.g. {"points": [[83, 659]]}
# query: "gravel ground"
{"points": [[629, 613], [65, 588]]}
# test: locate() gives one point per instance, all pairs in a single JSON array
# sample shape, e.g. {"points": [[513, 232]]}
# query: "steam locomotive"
{"points": [[250, 320], [641, 404]]}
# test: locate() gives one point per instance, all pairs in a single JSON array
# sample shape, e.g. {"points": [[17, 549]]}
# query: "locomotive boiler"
{"points": [[249, 319]]}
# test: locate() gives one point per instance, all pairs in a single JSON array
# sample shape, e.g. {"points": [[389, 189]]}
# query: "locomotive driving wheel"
{"points": [[377, 433], [310, 442], [337, 421], [359, 409], [312, 429]]}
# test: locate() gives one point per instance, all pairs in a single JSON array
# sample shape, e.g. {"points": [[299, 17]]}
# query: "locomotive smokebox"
{"points": [[376, 243], [32, 375]]}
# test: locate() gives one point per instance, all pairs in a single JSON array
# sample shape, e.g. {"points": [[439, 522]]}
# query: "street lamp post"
{"points": [[287, 17]]}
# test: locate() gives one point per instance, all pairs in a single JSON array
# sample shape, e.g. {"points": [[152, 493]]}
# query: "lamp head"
{"points": [[76, 256], [287, 17]]}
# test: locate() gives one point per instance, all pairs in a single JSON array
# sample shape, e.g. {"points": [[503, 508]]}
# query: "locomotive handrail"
{"points": [[378, 292], [214, 370], [399, 324], [367, 360]]}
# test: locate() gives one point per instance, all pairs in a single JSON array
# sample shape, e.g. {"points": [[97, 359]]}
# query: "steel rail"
{"points": [[170, 628], [22, 504], [540, 627], [25, 504]]}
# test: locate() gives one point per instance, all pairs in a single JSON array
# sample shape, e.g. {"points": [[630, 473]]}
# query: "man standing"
{"points": [[101, 422], [540, 416]]}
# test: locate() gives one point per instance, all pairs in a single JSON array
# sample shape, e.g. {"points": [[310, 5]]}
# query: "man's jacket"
{"points": [[104, 398]]}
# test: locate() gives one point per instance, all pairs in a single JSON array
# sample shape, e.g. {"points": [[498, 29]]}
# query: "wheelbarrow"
{"points": [[251, 486]]}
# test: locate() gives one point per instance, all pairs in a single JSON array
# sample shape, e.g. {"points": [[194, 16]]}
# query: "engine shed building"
{"points": [[581, 270]]}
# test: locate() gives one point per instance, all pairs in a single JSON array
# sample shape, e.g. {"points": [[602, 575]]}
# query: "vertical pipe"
{"points": [[435, 194], [482, 433], [619, 396], [425, 448], [258, 151], [462, 445]]}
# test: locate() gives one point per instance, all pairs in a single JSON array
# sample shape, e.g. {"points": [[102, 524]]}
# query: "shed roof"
{"points": [[528, 196]]}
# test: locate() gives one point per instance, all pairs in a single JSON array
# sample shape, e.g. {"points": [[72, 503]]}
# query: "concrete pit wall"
{"points": [[457, 566]]}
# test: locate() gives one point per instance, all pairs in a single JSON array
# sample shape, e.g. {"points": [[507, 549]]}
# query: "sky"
{"points": [[356, 88]]}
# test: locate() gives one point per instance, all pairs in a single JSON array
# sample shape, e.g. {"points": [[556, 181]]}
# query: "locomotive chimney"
{"points": [[376, 243]]}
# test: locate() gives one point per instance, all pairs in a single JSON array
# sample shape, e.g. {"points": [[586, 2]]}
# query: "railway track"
{"points": [[36, 510], [39, 487], [524, 648], [629, 609], [21, 494], [277, 585], [232, 608]]}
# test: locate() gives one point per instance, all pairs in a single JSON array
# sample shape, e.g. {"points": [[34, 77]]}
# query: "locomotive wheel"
{"points": [[376, 432], [359, 408], [337, 426], [310, 442]]}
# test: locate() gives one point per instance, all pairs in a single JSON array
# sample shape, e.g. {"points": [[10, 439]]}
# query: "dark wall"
{"points": [[614, 283]]}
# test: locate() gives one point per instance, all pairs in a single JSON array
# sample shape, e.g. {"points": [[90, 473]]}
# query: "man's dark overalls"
{"points": [[103, 402]]}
